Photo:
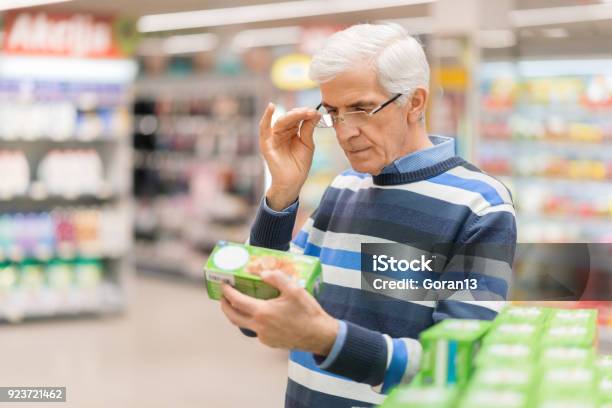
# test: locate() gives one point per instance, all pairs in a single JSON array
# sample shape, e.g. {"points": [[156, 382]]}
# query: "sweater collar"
{"points": [[443, 148]]}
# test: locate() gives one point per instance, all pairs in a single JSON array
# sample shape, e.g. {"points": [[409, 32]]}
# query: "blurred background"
{"points": [[128, 147]]}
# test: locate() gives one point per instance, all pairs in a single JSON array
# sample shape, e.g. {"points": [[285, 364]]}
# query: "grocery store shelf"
{"points": [[38, 193], [170, 260], [62, 142], [545, 143], [544, 179], [20, 305]]}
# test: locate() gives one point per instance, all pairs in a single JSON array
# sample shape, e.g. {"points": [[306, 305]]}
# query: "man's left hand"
{"points": [[293, 320]]}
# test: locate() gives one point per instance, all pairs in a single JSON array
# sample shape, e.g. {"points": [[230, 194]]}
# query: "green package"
{"points": [[476, 397], [604, 389], [505, 354], [523, 314], [567, 356], [449, 348], [578, 401], [240, 265], [568, 382], [512, 333], [574, 317], [603, 363], [504, 378], [9, 278], [569, 336], [421, 397]]}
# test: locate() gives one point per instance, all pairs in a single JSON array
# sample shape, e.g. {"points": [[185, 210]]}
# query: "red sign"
{"points": [[66, 35]]}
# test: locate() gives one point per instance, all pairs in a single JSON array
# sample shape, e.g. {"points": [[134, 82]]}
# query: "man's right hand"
{"points": [[288, 148]]}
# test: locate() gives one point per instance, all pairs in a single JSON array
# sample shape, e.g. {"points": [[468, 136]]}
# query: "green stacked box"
{"points": [[505, 355], [518, 314], [514, 378], [514, 333], [528, 357], [571, 328], [449, 350], [483, 398], [421, 397], [567, 356], [240, 266]]}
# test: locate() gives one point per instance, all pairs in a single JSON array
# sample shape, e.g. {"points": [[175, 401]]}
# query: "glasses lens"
{"points": [[355, 119], [326, 121]]}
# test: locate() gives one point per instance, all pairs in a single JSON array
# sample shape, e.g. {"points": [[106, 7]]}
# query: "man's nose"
{"points": [[344, 132]]}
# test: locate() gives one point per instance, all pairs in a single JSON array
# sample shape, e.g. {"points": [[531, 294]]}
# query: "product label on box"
{"points": [[509, 350], [524, 312], [220, 278], [231, 257], [576, 375], [566, 353], [462, 325], [573, 315], [564, 331], [504, 376], [516, 328]]}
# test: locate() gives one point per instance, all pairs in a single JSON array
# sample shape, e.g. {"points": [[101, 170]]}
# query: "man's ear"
{"points": [[417, 105]]}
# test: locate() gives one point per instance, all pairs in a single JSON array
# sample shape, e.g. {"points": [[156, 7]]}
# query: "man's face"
{"points": [[383, 137]]}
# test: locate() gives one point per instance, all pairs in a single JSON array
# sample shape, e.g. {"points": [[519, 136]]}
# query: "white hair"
{"points": [[397, 58]]}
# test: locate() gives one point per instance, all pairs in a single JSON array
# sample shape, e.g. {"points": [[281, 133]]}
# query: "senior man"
{"points": [[349, 347]]}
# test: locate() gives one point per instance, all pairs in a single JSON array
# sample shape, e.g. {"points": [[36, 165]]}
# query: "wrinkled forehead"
{"points": [[351, 88]]}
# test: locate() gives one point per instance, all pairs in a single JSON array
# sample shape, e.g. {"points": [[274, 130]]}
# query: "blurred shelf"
{"points": [[544, 179], [64, 255], [20, 305], [545, 143], [71, 140], [600, 222], [38, 193], [170, 259]]}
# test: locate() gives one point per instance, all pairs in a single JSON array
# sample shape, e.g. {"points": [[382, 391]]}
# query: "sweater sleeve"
{"points": [[272, 229], [371, 357]]}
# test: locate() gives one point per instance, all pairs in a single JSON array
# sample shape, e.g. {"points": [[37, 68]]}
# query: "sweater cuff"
{"points": [[336, 348], [363, 358], [272, 229]]}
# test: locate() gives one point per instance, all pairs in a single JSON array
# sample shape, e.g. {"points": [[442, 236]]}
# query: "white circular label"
{"points": [[231, 257]]}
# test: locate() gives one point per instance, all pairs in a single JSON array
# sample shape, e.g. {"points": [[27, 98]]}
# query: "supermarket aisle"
{"points": [[172, 348]]}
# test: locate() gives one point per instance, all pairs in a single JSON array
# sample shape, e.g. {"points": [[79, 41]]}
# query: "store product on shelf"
{"points": [[241, 266], [62, 120], [549, 135], [72, 172], [64, 232], [15, 164], [484, 398], [421, 397], [449, 349], [523, 372], [31, 288]]}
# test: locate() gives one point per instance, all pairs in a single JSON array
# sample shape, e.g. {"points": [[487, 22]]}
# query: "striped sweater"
{"points": [[450, 201]]}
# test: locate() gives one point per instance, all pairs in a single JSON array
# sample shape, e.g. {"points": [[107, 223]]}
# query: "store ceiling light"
{"points": [[267, 37], [496, 38], [561, 15], [16, 4], [263, 12], [184, 44], [415, 25], [178, 44], [555, 32]]}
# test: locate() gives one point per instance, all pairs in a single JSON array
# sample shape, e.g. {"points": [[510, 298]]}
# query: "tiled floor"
{"points": [[172, 348]]}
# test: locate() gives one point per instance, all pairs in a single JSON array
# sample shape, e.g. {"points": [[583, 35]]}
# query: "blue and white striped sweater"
{"points": [[449, 202]]}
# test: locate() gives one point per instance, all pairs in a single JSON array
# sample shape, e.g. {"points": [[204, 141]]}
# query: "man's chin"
{"points": [[364, 167]]}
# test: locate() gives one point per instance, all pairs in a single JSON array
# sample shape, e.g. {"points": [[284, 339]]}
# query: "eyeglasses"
{"points": [[352, 119]]}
